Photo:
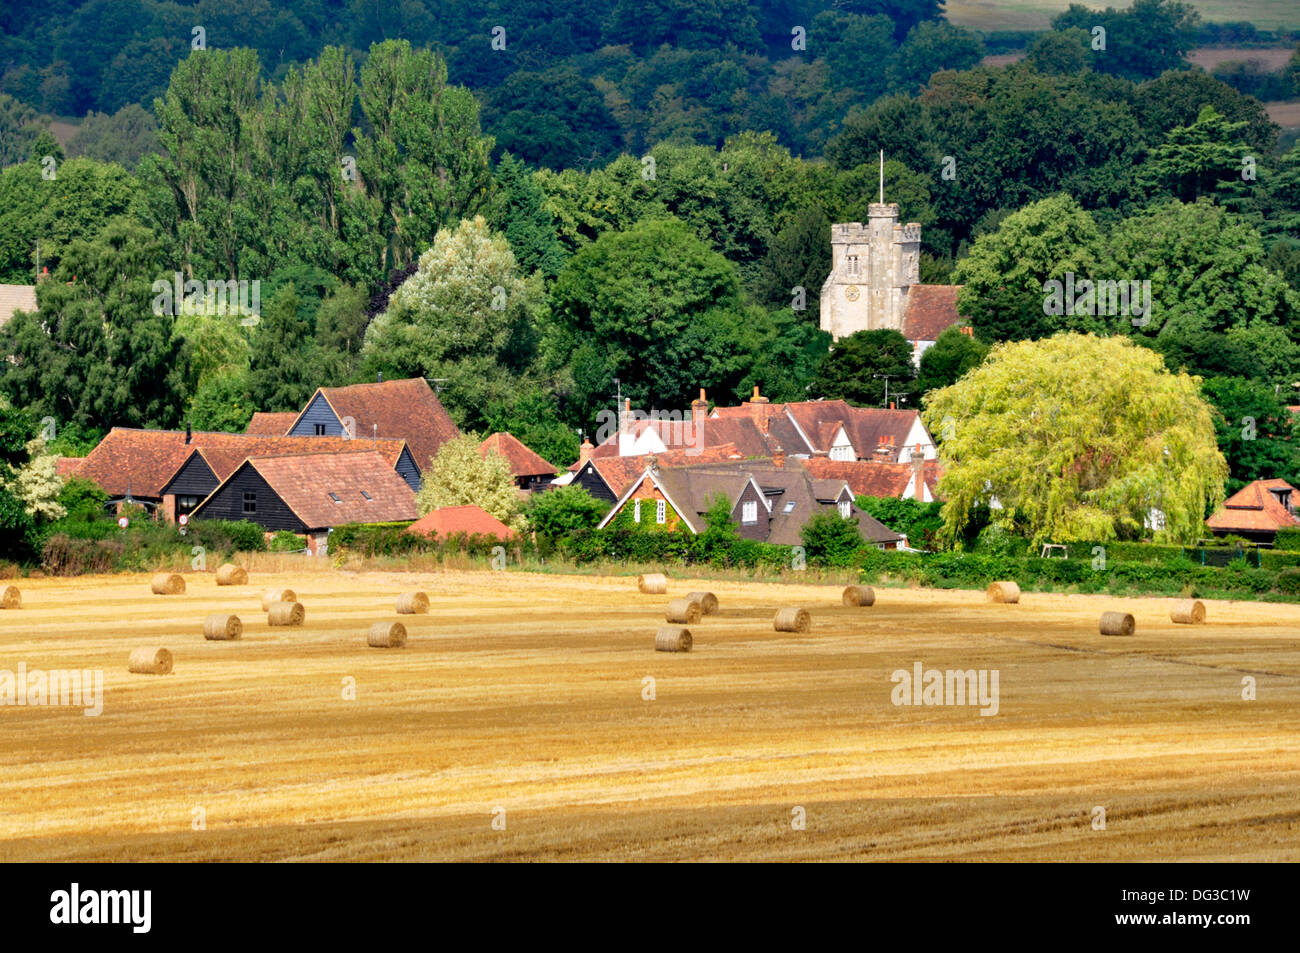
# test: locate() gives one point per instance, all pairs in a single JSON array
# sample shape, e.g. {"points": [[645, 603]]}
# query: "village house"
{"points": [[171, 471], [769, 501], [758, 428], [310, 494], [531, 472], [404, 409], [1256, 512]]}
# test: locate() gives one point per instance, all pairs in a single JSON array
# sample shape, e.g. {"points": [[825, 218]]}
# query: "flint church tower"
{"points": [[872, 268]]}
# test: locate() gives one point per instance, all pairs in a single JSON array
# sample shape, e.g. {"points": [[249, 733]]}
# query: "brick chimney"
{"points": [[626, 438], [968, 330], [759, 409], [699, 407], [584, 452], [778, 457], [189, 434], [918, 474], [893, 405]]}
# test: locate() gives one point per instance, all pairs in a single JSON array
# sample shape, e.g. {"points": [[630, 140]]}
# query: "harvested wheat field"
{"points": [[517, 723]]}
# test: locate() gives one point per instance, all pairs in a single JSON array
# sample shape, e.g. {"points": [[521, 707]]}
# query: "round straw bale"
{"points": [[1117, 623], [707, 600], [792, 620], [11, 598], [672, 639], [653, 583], [232, 575], [272, 596], [150, 661], [167, 584], [686, 611], [1188, 611], [286, 613], [386, 635], [222, 627], [412, 603], [1005, 591], [859, 596]]}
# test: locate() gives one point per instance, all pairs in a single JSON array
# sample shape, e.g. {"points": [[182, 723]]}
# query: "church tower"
{"points": [[872, 268]]}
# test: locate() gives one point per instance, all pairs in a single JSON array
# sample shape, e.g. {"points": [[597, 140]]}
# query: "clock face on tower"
{"points": [[851, 292]]}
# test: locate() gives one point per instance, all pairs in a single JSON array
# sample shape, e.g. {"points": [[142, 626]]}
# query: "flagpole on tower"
{"points": [[882, 176]]}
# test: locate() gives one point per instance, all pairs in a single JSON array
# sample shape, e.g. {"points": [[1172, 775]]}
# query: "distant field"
{"points": [[1273, 58], [1037, 14], [1286, 115], [524, 693]]}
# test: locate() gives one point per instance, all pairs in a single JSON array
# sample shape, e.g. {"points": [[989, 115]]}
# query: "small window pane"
{"points": [[661, 511]]}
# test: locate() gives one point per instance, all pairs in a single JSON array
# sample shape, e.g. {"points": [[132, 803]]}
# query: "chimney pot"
{"points": [[778, 457], [189, 434], [584, 452]]}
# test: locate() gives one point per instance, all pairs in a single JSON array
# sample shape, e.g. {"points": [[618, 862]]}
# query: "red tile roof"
{"points": [[1254, 509], [467, 520], [406, 409], [145, 460], [930, 310], [271, 424], [621, 472], [16, 298], [870, 477], [68, 466], [305, 481], [523, 461]]}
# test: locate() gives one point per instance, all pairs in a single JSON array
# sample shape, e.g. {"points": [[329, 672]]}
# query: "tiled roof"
{"points": [[16, 298], [872, 477], [523, 461], [269, 424], [621, 472], [305, 481], [68, 466], [145, 460], [1254, 509], [800, 427], [406, 409], [469, 520], [930, 310]]}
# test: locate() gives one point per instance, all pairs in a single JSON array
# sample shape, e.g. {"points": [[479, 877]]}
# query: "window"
{"points": [[636, 511], [842, 453], [186, 503], [335, 498], [844, 508], [661, 511], [250, 502], [367, 496], [789, 506], [319, 429], [749, 512]]}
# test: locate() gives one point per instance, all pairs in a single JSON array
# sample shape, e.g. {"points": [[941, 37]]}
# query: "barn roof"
{"points": [[267, 424], [469, 520], [330, 489], [405, 409], [523, 461]]}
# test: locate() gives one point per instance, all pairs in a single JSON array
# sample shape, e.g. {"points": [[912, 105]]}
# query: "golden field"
{"points": [[523, 693]]}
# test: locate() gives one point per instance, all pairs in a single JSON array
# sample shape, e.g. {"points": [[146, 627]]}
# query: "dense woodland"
{"points": [[627, 191]]}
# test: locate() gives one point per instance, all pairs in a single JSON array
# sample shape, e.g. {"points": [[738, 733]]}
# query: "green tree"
{"points": [[1256, 432], [286, 366], [856, 366], [97, 353], [831, 540], [19, 127], [223, 402], [655, 307], [519, 213], [1003, 276], [944, 362], [932, 46], [124, 137], [1142, 42], [459, 475], [556, 513], [1060, 52], [464, 316], [1195, 159], [1077, 437]]}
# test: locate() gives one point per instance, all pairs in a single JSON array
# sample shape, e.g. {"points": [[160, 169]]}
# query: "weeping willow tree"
{"points": [[1077, 437]]}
